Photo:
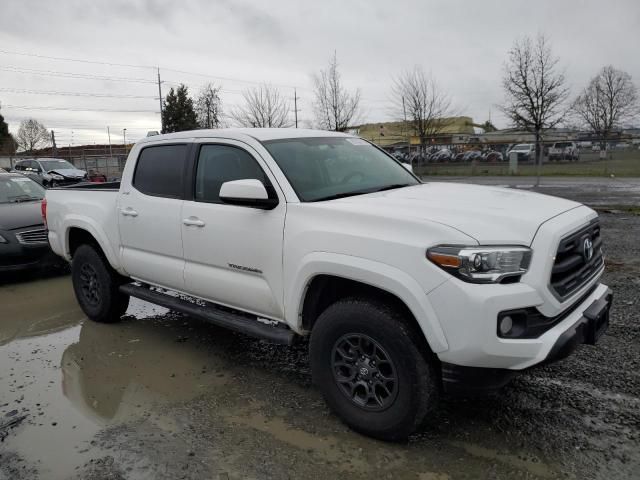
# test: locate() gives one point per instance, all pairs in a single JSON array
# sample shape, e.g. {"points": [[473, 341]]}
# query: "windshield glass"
{"points": [[49, 165], [19, 189], [335, 167], [522, 146]]}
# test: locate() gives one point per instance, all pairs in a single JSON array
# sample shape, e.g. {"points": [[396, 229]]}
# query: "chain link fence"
{"points": [[595, 157], [99, 160]]}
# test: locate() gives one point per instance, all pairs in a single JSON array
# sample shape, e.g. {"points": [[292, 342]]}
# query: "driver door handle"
{"points": [[193, 222], [129, 212]]}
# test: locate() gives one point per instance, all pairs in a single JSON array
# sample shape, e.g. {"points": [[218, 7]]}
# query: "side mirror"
{"points": [[247, 193]]}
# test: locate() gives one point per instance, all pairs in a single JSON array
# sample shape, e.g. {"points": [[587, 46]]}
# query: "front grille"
{"points": [[572, 267], [33, 237]]}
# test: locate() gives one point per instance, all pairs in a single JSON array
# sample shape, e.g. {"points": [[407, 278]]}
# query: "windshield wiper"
{"points": [[392, 187], [25, 198], [362, 192], [341, 195]]}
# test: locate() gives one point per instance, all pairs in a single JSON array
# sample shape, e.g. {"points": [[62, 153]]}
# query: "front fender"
{"points": [[376, 274]]}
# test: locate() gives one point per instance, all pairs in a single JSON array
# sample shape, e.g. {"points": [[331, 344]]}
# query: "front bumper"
{"points": [[15, 256], [471, 327], [591, 324]]}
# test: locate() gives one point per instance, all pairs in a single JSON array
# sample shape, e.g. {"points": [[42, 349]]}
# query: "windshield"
{"points": [[522, 146], [49, 165], [19, 189], [335, 167]]}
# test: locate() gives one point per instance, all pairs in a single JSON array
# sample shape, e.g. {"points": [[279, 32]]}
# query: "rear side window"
{"points": [[160, 171], [218, 164]]}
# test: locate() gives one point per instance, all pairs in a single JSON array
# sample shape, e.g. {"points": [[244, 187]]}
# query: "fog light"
{"points": [[506, 324]]}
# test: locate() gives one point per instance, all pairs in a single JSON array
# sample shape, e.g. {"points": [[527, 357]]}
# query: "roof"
{"points": [[260, 134]]}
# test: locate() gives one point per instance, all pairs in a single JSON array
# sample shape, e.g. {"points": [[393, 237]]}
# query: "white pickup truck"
{"points": [[406, 288]]}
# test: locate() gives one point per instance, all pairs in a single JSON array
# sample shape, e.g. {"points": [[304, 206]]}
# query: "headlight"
{"points": [[482, 264], [55, 176]]}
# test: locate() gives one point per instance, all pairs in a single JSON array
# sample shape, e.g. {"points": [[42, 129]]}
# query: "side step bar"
{"points": [[210, 313]]}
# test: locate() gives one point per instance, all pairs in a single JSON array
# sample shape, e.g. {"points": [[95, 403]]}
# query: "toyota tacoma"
{"points": [[405, 288]]}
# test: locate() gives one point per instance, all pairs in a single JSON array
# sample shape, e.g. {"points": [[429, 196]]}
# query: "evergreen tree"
{"points": [[7, 143], [178, 113]]}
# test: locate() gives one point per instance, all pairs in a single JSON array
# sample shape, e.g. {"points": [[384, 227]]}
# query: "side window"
{"points": [[19, 166], [218, 164], [160, 171]]}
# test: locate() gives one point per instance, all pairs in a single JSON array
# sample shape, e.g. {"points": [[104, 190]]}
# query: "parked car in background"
{"points": [[526, 152], [492, 156], [472, 155], [23, 237], [51, 172], [564, 151], [440, 156]]}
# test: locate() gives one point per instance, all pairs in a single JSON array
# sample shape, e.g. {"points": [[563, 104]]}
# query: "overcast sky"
{"points": [[236, 42]]}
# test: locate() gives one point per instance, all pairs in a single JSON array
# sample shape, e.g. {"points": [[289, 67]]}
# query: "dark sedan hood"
{"points": [[19, 215], [69, 172]]}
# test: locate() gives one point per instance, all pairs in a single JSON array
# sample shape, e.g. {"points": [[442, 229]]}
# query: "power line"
{"points": [[27, 107], [74, 94], [66, 59], [186, 72], [55, 73]]}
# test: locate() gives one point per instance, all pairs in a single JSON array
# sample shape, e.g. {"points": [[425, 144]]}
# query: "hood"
{"points": [[491, 215], [19, 215], [69, 172]]}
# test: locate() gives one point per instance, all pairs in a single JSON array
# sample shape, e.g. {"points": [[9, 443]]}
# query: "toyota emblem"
{"points": [[587, 249]]}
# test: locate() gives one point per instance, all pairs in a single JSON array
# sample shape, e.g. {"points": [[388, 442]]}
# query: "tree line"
{"points": [[536, 98]]}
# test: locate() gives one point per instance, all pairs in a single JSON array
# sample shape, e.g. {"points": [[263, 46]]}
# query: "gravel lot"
{"points": [[159, 396]]}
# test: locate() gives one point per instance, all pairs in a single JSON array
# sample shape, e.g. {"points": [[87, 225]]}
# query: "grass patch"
{"points": [[628, 209]]}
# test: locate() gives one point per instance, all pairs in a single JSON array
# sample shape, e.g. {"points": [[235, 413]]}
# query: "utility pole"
{"points": [[54, 148], [295, 105], [404, 109], [160, 99], [110, 150]]}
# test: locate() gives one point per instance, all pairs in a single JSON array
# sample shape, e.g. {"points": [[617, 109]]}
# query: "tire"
{"points": [[96, 286], [396, 412]]}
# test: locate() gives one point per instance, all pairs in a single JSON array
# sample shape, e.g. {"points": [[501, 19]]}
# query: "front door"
{"points": [[150, 217], [233, 254]]}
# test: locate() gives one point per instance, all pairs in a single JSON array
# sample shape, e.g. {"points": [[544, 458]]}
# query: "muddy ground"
{"points": [[160, 396]]}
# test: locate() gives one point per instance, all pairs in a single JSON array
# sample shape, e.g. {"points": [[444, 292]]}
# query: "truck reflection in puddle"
{"points": [[115, 372]]}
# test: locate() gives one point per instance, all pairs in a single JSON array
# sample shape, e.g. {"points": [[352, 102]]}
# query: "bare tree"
{"points": [[334, 107], [419, 100], [32, 135], [209, 107], [535, 89], [264, 106], [610, 100]]}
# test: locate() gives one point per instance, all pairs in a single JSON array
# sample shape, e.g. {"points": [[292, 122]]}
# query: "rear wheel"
{"points": [[365, 358], [96, 286]]}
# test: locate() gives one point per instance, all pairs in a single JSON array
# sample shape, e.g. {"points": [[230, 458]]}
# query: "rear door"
{"points": [[149, 216], [233, 253]]}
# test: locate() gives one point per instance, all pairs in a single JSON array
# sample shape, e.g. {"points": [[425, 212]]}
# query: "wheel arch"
{"points": [[82, 233], [323, 281]]}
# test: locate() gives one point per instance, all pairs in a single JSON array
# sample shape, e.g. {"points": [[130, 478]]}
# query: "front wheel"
{"points": [[96, 286], [365, 358]]}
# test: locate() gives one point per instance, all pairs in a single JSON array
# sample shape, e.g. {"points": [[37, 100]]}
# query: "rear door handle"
{"points": [[193, 222], [129, 212]]}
